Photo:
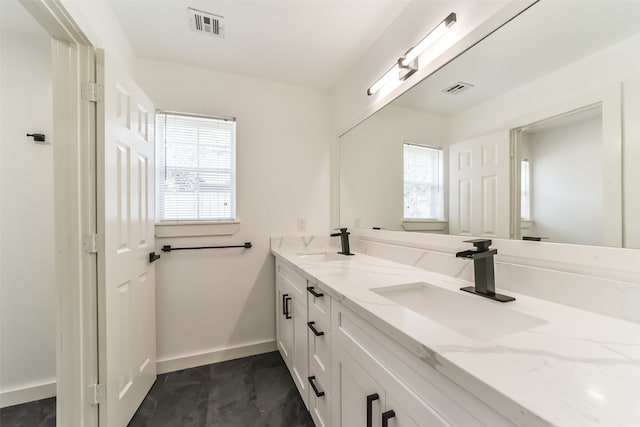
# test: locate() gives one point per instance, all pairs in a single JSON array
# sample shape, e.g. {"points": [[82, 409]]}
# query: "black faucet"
{"points": [[482, 257], [344, 241]]}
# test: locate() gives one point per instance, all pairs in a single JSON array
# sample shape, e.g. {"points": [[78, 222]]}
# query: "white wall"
{"points": [[566, 180], [100, 25], [371, 165], [27, 294], [213, 300]]}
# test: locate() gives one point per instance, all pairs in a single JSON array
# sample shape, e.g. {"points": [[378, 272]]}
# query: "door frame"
{"points": [[75, 204], [610, 99]]}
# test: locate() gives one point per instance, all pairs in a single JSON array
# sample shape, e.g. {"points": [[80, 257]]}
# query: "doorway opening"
{"points": [[47, 188], [559, 178]]}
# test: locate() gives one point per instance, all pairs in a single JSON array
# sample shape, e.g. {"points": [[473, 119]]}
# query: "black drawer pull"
{"points": [[370, 400], [314, 330], [287, 298], [386, 416], [313, 292], [284, 297], [314, 387]]}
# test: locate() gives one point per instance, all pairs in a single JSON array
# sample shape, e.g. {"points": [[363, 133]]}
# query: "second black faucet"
{"points": [[344, 241]]}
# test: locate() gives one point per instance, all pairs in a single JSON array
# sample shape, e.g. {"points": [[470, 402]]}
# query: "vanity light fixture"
{"points": [[393, 73], [408, 64]]}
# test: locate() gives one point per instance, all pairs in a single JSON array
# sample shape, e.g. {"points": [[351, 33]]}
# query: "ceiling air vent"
{"points": [[207, 23], [457, 88]]}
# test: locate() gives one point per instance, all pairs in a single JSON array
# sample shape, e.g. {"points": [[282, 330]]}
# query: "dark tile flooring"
{"points": [[40, 413], [255, 391]]}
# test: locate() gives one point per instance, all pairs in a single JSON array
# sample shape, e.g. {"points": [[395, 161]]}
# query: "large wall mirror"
{"points": [[531, 134]]}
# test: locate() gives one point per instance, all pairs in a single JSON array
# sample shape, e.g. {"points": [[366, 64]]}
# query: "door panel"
{"points": [[479, 174], [126, 282], [351, 386]]}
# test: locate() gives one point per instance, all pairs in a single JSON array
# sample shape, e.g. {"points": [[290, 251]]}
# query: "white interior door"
{"points": [[126, 300], [479, 182]]}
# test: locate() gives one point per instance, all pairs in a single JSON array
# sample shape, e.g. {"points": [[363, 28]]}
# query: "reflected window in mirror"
{"points": [[525, 190], [423, 182]]}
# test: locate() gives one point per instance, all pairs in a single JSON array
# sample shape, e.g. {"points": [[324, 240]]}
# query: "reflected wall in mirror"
{"points": [[547, 94], [561, 193]]}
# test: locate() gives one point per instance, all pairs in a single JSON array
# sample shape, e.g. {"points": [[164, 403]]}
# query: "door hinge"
{"points": [[92, 243], [92, 92], [97, 394]]}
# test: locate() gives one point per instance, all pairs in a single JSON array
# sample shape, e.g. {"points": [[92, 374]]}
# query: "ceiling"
{"points": [[304, 42], [546, 37]]}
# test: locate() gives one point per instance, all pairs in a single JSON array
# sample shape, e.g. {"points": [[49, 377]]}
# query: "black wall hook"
{"points": [[37, 137]]}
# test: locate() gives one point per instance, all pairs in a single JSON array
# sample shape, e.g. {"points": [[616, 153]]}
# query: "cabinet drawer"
{"points": [[295, 281], [319, 302], [320, 349], [319, 406]]}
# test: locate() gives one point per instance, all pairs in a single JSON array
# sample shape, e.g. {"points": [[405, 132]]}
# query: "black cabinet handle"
{"points": [[386, 416], [287, 315], [314, 387], [314, 330], [153, 257], [284, 298], [370, 399], [313, 292]]}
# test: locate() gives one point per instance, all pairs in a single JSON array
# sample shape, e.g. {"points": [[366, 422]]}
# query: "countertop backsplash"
{"points": [[597, 279]]}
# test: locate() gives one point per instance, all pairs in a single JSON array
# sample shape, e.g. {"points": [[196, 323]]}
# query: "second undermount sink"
{"points": [[468, 315], [323, 256]]}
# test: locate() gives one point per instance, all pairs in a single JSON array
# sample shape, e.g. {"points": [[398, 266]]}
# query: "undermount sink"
{"points": [[323, 256], [468, 315]]}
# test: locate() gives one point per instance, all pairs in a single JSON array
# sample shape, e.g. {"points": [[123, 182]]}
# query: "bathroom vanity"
{"points": [[373, 342]]}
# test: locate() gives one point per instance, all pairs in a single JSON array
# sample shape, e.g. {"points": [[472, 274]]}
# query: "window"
{"points": [[423, 182], [525, 190], [195, 158]]}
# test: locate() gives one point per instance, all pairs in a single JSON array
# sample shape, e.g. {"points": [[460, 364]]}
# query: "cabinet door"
{"points": [[300, 350], [284, 326], [401, 418], [354, 393]]}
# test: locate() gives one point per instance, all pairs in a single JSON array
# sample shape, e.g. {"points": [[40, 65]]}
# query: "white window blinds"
{"points": [[423, 183], [195, 157]]}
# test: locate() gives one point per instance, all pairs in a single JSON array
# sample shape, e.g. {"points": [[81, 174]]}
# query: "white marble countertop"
{"points": [[577, 369]]}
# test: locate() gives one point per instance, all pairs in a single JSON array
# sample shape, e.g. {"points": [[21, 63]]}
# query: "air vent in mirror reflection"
{"points": [[457, 88]]}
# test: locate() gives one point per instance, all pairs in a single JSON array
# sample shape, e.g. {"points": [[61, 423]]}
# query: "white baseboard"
{"points": [[27, 394], [200, 359]]}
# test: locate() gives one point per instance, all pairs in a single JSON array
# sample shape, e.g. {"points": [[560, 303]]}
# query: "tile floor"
{"points": [[254, 391], [41, 413]]}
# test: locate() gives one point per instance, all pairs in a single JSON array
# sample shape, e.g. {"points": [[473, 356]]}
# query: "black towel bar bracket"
{"points": [[168, 248]]}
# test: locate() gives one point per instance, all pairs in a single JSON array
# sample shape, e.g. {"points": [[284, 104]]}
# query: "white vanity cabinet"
{"points": [[350, 374], [291, 325], [366, 392], [361, 398], [373, 376]]}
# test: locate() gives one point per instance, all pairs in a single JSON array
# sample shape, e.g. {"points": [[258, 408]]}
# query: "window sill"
{"points": [[526, 224], [196, 228], [424, 225]]}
